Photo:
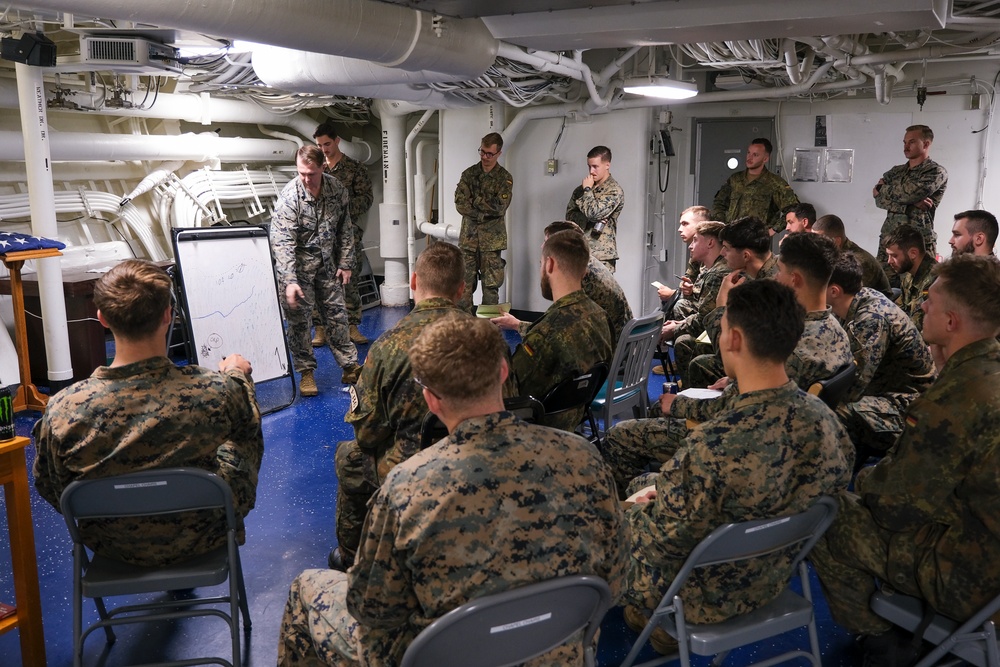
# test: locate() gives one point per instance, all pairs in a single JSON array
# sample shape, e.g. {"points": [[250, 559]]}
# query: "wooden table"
{"points": [[28, 618], [27, 396]]}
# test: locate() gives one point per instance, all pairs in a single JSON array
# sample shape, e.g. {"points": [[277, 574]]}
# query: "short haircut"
{"points": [[765, 142], [570, 250], [906, 236], [493, 139], [562, 226], [326, 129], [769, 315], [747, 233], [831, 226], [458, 357], [310, 155], [802, 210], [700, 212], [974, 282], [926, 133], [440, 269], [132, 297], [813, 255], [710, 228], [602, 152], [847, 273], [977, 221]]}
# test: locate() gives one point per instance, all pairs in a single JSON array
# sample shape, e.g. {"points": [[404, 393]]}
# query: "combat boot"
{"points": [[351, 374], [661, 642], [307, 385], [319, 340], [357, 337]]}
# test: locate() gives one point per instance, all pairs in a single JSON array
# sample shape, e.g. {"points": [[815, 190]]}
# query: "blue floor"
{"points": [[291, 529]]}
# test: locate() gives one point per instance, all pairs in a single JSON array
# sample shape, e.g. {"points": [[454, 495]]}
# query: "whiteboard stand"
{"points": [[229, 297]]}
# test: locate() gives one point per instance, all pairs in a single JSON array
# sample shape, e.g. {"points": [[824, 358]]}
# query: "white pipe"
{"points": [[35, 128], [410, 195], [152, 180], [392, 210], [440, 230], [280, 135]]}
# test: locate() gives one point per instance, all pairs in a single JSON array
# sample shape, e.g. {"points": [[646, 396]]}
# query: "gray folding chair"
{"points": [[154, 492], [733, 543], [625, 390], [974, 641], [572, 393], [833, 389], [514, 626]]}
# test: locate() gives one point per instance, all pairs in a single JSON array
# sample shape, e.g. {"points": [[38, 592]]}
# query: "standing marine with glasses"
{"points": [[482, 197]]}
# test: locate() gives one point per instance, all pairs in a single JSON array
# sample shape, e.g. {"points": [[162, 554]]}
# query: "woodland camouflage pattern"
{"points": [[354, 176], [145, 416], [600, 285], [483, 198], [903, 189], [603, 202], [764, 198], [771, 454], [926, 519], [872, 273], [914, 290], [497, 504]]}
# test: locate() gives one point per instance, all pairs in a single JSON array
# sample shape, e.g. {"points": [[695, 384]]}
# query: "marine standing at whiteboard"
{"points": [[311, 234]]}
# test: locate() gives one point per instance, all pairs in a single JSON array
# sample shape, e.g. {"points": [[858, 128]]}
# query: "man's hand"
{"points": [[720, 384], [666, 402], [668, 330], [506, 321], [293, 294], [925, 204], [686, 287], [235, 361], [588, 182], [729, 282], [665, 293], [344, 275], [878, 186], [645, 497]]}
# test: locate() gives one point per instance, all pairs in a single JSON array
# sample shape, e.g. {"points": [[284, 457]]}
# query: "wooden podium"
{"points": [[27, 396]]}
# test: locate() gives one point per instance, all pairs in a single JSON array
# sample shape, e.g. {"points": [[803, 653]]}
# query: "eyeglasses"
{"points": [[488, 155], [420, 384]]}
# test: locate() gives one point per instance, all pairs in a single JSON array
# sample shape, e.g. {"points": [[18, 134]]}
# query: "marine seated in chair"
{"points": [[498, 504], [142, 413], [771, 453]]}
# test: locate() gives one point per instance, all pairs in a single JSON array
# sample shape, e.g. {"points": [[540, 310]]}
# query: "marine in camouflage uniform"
{"points": [[143, 416], [926, 519], [633, 444], [686, 346], [311, 238], [387, 408], [482, 197], [764, 198], [771, 453], [496, 505], [872, 273], [894, 366], [600, 285], [904, 188], [354, 176], [568, 340], [914, 287], [602, 203]]}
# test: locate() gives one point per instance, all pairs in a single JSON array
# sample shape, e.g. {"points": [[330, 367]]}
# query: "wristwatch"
{"points": [[587, 189]]}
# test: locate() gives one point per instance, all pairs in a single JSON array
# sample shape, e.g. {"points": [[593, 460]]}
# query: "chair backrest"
{"points": [[514, 626], [528, 408], [147, 493], [736, 542], [629, 372], [575, 392], [833, 389]]}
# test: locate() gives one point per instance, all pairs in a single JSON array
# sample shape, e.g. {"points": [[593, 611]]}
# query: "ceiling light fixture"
{"points": [[662, 87]]}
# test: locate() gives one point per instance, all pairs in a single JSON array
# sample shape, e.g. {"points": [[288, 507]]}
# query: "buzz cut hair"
{"points": [[701, 213], [830, 225], [926, 133], [769, 316], [561, 226], [602, 152], [570, 250], [765, 142], [979, 221], [847, 274], [973, 281], [747, 233], [813, 255], [440, 269], [803, 210]]}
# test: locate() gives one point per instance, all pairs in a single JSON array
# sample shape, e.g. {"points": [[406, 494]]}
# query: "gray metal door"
{"points": [[721, 150]]}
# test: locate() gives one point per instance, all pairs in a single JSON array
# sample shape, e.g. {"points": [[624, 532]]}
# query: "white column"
{"points": [[392, 211]]}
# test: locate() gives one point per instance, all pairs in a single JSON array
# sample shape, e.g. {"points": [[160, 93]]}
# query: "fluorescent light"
{"points": [[662, 87]]}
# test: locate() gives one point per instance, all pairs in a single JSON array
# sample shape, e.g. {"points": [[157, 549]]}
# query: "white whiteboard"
{"points": [[231, 300]]}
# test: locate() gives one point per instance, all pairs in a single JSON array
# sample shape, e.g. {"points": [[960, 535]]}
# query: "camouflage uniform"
{"points": [[686, 346], [872, 273], [148, 415], [568, 340], [771, 454], [633, 444], [903, 189], [386, 410], [600, 285], [765, 197], [311, 238], [894, 366], [496, 505], [926, 519], [354, 176], [603, 202], [482, 198], [685, 306], [914, 290]]}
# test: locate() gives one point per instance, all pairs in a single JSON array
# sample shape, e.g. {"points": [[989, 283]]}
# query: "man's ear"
{"points": [[413, 281], [100, 318], [735, 340]]}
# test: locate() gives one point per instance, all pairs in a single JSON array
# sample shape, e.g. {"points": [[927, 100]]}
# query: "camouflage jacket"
{"points": [[938, 489], [872, 273], [354, 176], [568, 340], [497, 504], [822, 350], [771, 453], [708, 286], [482, 198], [914, 290], [302, 226], [603, 202], [892, 358], [144, 416], [765, 197], [387, 407], [600, 285], [904, 188]]}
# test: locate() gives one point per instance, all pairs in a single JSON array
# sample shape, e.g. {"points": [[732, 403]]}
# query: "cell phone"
{"points": [[7, 610], [657, 284]]}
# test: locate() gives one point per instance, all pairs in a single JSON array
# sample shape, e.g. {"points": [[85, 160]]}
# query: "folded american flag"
{"points": [[14, 242]]}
